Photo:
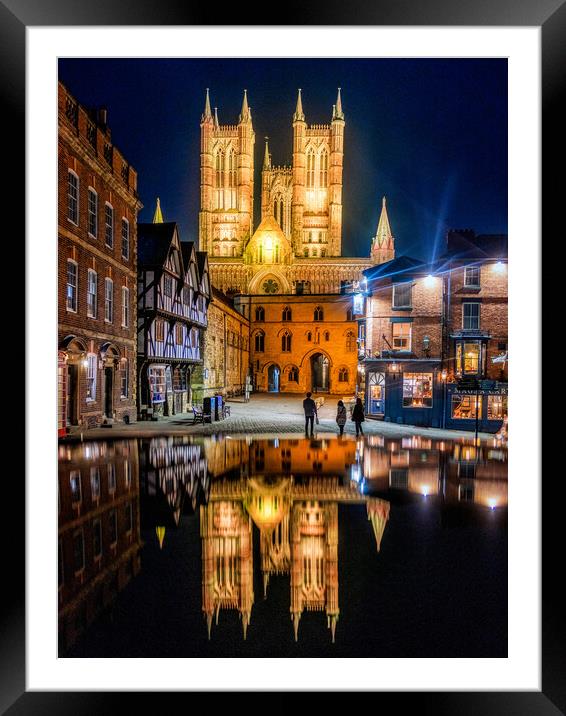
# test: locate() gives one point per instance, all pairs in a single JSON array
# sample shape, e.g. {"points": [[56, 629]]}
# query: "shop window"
{"points": [[417, 390], [401, 336], [472, 277], [471, 316], [466, 407], [496, 407], [468, 358], [402, 295], [156, 378]]}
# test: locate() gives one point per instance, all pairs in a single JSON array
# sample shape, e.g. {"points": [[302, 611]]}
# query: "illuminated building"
{"points": [[97, 246]]}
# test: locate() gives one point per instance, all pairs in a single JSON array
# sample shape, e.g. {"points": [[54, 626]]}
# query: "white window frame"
{"points": [[91, 274], [76, 287], [92, 191], [125, 379], [405, 284], [126, 223], [71, 198], [470, 303], [406, 349], [108, 205], [91, 372], [108, 300], [125, 307], [467, 284]]}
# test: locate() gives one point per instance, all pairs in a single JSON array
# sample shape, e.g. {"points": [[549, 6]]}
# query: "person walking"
{"points": [[309, 406], [358, 416], [341, 416]]}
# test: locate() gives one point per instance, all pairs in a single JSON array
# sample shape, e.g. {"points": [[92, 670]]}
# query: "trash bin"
{"points": [[218, 412]]}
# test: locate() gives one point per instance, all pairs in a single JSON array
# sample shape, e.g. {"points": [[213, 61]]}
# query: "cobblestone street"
{"points": [[263, 414]]}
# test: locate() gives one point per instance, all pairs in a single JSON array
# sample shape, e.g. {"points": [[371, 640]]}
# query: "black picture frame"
{"points": [[550, 16]]}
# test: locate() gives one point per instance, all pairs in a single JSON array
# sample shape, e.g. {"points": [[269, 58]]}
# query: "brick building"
{"points": [[434, 338], [301, 343], [226, 349], [99, 530], [97, 253]]}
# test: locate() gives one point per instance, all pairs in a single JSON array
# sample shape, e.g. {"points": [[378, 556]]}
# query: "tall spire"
{"points": [[266, 158], [299, 115], [384, 237], [337, 112], [216, 117], [158, 216], [245, 114], [207, 114]]}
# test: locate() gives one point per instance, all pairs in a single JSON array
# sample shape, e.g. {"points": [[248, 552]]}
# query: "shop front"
{"points": [[477, 409]]}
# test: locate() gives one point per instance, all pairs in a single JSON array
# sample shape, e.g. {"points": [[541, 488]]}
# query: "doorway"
{"points": [[320, 373], [273, 376], [377, 394], [109, 391], [72, 393]]}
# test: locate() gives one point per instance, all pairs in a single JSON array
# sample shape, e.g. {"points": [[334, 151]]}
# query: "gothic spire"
{"points": [[158, 216], [299, 115], [383, 237], [245, 114], [337, 112], [207, 114], [266, 158]]}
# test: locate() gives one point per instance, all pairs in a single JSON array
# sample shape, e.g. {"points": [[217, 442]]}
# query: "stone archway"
{"points": [[273, 378], [320, 373]]}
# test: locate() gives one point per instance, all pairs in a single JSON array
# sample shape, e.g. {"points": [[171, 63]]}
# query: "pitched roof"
{"points": [[187, 248], [398, 269], [154, 241]]}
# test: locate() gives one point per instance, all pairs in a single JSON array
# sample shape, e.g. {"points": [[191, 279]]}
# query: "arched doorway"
{"points": [[320, 371], [273, 378]]}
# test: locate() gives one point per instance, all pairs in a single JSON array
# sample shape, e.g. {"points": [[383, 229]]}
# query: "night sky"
{"points": [[430, 135]]}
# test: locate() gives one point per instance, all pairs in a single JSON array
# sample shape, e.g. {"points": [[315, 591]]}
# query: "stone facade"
{"points": [[97, 254], [302, 343]]}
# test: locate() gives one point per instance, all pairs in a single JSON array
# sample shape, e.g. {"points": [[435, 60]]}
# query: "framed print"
{"points": [[202, 333]]}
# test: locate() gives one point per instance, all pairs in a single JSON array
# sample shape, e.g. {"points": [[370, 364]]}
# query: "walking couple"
{"points": [[357, 416]]}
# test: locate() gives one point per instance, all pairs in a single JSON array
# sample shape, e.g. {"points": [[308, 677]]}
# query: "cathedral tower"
{"points": [[226, 182], [383, 243]]}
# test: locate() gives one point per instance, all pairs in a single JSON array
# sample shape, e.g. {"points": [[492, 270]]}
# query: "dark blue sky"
{"points": [[429, 134]]}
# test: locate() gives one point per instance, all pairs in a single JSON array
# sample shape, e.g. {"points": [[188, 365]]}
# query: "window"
{"points": [[417, 390], [219, 170], [97, 539], [111, 477], [401, 336], [179, 334], [127, 473], [125, 239], [186, 295], [75, 480], [260, 314], [496, 407], [109, 226], [402, 295], [159, 330], [318, 314], [350, 342], [306, 255], [286, 342], [108, 300], [167, 286], [73, 197], [468, 357], [471, 316], [287, 314], [113, 519], [472, 277], [72, 281], [124, 378], [92, 213], [326, 335], [91, 377], [464, 407], [91, 294], [310, 169], [294, 374], [399, 478], [260, 342], [125, 307], [78, 551], [95, 482], [324, 169], [343, 375], [309, 336]]}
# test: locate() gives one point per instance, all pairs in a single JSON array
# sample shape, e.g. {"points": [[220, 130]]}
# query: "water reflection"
{"points": [[289, 489]]}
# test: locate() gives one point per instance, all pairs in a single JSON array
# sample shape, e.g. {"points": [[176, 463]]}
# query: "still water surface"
{"points": [[219, 546]]}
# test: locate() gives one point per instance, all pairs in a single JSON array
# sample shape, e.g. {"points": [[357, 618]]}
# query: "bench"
{"points": [[200, 417]]}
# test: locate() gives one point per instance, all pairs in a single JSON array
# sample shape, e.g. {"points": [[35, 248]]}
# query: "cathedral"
{"points": [[297, 247]]}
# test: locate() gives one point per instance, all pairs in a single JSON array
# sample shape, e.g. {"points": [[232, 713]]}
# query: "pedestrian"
{"points": [[358, 416], [341, 416], [309, 406]]}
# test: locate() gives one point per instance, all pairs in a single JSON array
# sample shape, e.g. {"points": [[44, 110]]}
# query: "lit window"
{"points": [[91, 294], [401, 336], [402, 295], [466, 407], [72, 281], [471, 316], [159, 330], [108, 300], [468, 357], [92, 212], [324, 169], [417, 390], [496, 407], [73, 198], [310, 168], [109, 226]]}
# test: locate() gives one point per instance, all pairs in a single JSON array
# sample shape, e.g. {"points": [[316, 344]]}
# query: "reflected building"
{"points": [[99, 531]]}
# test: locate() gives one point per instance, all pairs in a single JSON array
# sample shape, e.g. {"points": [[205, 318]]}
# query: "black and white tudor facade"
{"points": [[173, 298]]}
